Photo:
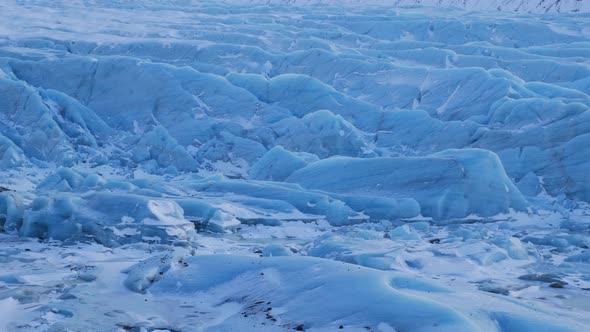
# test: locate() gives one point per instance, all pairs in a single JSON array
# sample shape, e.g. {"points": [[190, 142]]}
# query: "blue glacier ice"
{"points": [[380, 165]]}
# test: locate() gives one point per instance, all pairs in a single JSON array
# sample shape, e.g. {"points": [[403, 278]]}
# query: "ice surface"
{"points": [[374, 165]]}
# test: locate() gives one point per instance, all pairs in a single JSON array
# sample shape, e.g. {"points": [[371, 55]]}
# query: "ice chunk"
{"points": [[142, 275], [449, 184], [158, 145], [12, 206], [221, 221], [323, 134], [530, 185], [513, 246], [10, 154], [9, 311], [275, 250], [98, 215], [403, 233], [62, 178], [276, 165]]}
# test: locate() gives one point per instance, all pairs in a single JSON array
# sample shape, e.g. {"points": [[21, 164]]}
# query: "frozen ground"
{"points": [[205, 166]]}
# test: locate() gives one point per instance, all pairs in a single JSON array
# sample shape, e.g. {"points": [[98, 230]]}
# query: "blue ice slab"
{"points": [[448, 184]]}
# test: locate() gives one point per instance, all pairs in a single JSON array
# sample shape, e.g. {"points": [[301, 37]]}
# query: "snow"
{"points": [[346, 293], [288, 165]]}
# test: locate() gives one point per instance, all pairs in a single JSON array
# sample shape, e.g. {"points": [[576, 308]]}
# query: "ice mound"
{"points": [[448, 184], [291, 290], [348, 295]]}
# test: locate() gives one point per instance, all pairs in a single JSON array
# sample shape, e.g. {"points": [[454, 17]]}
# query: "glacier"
{"points": [[294, 165]]}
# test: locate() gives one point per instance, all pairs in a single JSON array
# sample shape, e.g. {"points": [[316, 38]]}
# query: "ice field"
{"points": [[381, 166]]}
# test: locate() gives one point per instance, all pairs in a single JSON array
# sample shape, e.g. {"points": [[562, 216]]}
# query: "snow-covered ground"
{"points": [[244, 166]]}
